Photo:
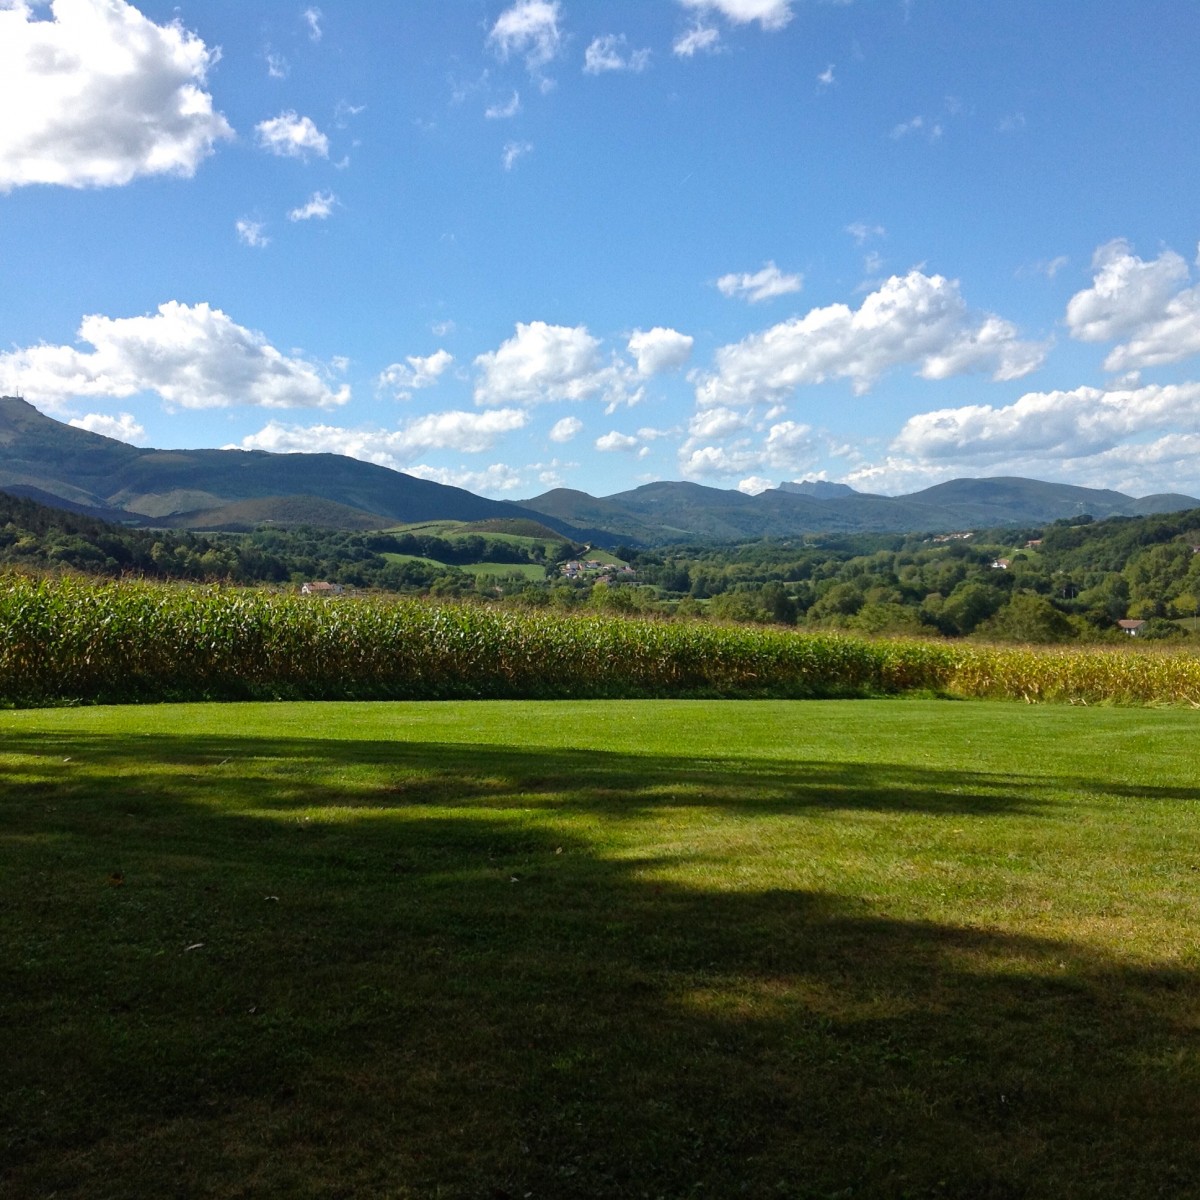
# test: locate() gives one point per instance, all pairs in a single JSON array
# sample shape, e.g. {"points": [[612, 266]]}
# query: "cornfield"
{"points": [[64, 641]]}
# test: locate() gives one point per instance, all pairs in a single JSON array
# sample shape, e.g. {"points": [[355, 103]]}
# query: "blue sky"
{"points": [[514, 246]]}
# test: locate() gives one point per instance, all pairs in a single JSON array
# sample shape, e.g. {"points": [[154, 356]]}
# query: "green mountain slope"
{"points": [[44, 458], [105, 475]]}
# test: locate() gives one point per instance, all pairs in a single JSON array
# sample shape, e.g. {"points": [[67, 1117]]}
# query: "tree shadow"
{"points": [[438, 987]]}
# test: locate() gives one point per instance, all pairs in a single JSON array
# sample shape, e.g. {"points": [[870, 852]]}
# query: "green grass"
{"points": [[393, 557], [600, 949], [530, 571]]}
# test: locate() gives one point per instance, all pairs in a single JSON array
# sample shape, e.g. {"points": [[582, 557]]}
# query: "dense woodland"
{"points": [[1073, 579]]}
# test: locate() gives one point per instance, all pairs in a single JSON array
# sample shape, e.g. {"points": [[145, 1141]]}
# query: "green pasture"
{"points": [[488, 570], [895, 948]]}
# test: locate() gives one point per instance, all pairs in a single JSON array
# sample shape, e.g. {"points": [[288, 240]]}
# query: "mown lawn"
{"points": [[600, 949]]}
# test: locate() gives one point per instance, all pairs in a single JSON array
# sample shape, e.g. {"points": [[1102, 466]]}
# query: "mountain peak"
{"points": [[819, 489]]}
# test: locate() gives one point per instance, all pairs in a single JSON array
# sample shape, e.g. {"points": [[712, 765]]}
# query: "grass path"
{"points": [[663, 949]]}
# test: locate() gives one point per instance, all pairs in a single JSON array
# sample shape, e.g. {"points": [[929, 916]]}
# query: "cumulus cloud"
{"points": [[98, 94], [615, 441], [192, 356], [292, 136], [312, 18], [717, 422], [699, 39], [251, 232], [772, 15], [915, 319], [754, 485], [765, 284], [611, 53], [499, 477], [530, 29], [659, 349], [788, 448], [825, 78], [415, 373], [1060, 424], [1145, 302], [566, 429], [465, 432], [123, 427], [543, 363], [318, 206]]}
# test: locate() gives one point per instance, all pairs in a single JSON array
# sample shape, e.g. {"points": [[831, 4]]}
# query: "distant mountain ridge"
{"points": [[58, 464]]}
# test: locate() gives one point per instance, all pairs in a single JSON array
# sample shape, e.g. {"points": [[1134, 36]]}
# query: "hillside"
{"points": [[676, 512], [237, 489], [62, 463]]}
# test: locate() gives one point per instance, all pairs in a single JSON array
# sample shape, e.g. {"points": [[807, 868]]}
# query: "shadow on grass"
{"points": [[459, 990]]}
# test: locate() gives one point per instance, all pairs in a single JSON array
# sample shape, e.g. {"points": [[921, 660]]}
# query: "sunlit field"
{"points": [[587, 949]]}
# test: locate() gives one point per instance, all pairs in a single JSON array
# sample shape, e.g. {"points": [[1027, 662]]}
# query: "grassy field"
{"points": [[531, 571], [897, 948]]}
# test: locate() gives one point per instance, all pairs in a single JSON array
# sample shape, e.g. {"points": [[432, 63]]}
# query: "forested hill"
{"points": [[238, 489], [38, 537]]}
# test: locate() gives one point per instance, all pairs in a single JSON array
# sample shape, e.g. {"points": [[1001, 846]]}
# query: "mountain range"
{"points": [[59, 464]]}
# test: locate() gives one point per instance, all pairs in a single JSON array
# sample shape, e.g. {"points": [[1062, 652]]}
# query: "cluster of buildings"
{"points": [[580, 568]]}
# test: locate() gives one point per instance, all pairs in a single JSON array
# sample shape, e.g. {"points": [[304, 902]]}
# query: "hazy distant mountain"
{"points": [[205, 489], [676, 511], [819, 489]]}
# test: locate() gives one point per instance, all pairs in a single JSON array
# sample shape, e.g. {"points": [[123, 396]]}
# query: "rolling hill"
{"points": [[209, 489]]}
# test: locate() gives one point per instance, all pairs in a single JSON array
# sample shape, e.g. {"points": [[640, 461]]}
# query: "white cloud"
{"points": [[193, 356], [514, 151], [529, 28], [292, 136], [98, 94], [277, 66], [251, 232], [918, 319], [312, 18], [765, 284], [1061, 424], [123, 427], [465, 432], [753, 485], [1143, 301], [501, 112], [609, 53], [706, 462], [442, 328], [717, 422], [542, 363], [825, 79], [700, 39], [615, 441], [659, 349], [771, 15], [789, 447], [992, 345], [415, 373], [499, 477], [566, 430], [318, 206]]}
